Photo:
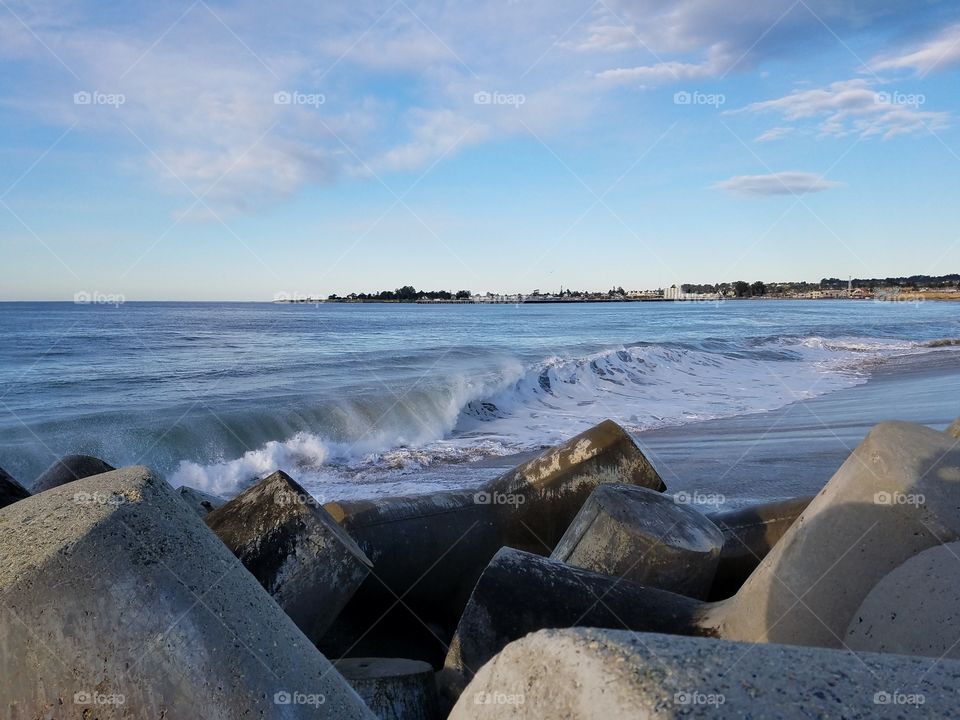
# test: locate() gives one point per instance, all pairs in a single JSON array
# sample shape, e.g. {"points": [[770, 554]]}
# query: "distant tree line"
{"points": [[741, 288], [907, 283], [407, 293]]}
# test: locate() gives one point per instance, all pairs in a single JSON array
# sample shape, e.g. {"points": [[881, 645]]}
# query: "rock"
{"points": [[519, 593], [285, 538], [431, 549], [201, 502], [642, 535], [954, 429], [68, 469], [394, 689], [10, 490], [748, 535], [118, 602], [894, 497], [591, 673], [914, 610]]}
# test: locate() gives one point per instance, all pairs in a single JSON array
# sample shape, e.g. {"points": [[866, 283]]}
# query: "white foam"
{"points": [[454, 420]]}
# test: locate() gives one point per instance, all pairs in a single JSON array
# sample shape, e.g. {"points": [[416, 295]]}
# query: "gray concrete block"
{"points": [[642, 535], [68, 469], [393, 688], [117, 602]]}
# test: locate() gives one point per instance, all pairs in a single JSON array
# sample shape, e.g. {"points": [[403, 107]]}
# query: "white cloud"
{"points": [[853, 107], [776, 133], [937, 53], [779, 183]]}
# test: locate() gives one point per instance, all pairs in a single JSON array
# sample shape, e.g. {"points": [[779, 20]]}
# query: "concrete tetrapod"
{"points": [[895, 496], [201, 502], [748, 535], [954, 428], [914, 610], [10, 490], [117, 602], [431, 549], [519, 593], [645, 536], [590, 673], [393, 689], [309, 564], [67, 469]]}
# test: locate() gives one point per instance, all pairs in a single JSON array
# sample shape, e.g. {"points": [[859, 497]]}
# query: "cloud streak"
{"points": [[779, 183]]}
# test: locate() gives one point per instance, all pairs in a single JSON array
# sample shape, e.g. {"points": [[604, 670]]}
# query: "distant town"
{"points": [[916, 287]]}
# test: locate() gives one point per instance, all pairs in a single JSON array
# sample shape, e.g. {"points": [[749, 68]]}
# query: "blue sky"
{"points": [[204, 150]]}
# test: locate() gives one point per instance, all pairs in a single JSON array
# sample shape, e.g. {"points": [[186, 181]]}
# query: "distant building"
{"points": [[672, 293]]}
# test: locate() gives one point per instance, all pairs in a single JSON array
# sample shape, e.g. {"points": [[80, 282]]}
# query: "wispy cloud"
{"points": [[852, 107], [937, 53], [779, 183]]}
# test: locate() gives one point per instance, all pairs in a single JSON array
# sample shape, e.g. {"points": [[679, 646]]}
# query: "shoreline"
{"points": [[795, 449]]}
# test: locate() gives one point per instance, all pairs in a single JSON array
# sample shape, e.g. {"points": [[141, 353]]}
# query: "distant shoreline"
{"points": [[904, 297]]}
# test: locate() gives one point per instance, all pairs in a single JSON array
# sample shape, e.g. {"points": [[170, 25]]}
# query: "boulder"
{"points": [[429, 550], [894, 497], [67, 469], [591, 673], [10, 490], [201, 502], [519, 593], [291, 545], [748, 535], [915, 610], [641, 535], [117, 602], [393, 688]]}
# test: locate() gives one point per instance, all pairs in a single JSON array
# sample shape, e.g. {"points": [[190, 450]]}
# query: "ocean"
{"points": [[384, 398]]}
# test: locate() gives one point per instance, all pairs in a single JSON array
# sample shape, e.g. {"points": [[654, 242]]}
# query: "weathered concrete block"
{"points": [[431, 549], [590, 673], [642, 535], [393, 689], [10, 490], [309, 564], [954, 428], [895, 496], [748, 535], [914, 610], [201, 502], [67, 469], [519, 593], [117, 602]]}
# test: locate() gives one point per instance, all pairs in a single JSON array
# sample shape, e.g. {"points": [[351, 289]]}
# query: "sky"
{"points": [[200, 150]]}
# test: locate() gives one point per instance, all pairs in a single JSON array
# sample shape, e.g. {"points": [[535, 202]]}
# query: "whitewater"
{"points": [[397, 399]]}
